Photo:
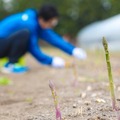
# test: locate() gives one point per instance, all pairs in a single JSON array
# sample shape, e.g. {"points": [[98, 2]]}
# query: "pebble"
{"points": [[100, 100], [94, 95], [118, 88], [83, 95], [87, 103], [89, 88], [89, 108], [74, 106]]}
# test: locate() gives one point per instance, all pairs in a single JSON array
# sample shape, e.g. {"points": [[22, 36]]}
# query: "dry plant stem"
{"points": [[75, 73], [55, 97], [111, 82]]}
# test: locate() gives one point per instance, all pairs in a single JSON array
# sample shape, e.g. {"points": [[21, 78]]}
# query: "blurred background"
{"points": [[81, 21]]}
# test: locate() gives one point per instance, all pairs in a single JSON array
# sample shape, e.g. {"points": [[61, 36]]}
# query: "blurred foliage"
{"points": [[74, 14]]}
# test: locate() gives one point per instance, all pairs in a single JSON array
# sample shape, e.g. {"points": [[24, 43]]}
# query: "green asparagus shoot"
{"points": [[111, 82]]}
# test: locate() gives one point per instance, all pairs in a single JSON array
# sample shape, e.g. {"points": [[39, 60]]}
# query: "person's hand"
{"points": [[58, 62], [79, 54]]}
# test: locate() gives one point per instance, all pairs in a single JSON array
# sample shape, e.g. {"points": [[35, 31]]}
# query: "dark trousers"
{"points": [[15, 46]]}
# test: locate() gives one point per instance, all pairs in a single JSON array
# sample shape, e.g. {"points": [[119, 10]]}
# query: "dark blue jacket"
{"points": [[28, 20]]}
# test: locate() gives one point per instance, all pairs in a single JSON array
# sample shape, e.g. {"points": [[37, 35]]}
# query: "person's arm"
{"points": [[54, 39], [34, 49]]}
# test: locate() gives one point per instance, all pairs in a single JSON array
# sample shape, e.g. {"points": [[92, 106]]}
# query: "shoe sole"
{"points": [[6, 71], [3, 70]]}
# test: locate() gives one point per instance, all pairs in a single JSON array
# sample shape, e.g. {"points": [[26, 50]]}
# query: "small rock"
{"points": [[104, 115], [74, 106], [100, 101], [64, 118], [79, 101], [83, 95], [118, 99], [89, 114], [89, 108], [89, 88], [94, 95], [118, 88], [87, 103], [98, 118]]}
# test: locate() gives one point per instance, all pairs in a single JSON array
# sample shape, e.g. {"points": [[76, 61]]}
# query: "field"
{"points": [[29, 96]]}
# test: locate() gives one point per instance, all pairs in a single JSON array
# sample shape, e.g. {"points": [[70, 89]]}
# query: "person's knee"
{"points": [[22, 39], [25, 34]]}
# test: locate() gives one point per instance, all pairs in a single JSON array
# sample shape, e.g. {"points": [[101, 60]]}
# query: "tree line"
{"points": [[74, 14]]}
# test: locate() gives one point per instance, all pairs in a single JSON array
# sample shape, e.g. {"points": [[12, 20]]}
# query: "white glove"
{"points": [[79, 54], [58, 62]]}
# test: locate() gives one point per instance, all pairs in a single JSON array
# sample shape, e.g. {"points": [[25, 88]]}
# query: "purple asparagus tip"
{"points": [[51, 85], [58, 114]]}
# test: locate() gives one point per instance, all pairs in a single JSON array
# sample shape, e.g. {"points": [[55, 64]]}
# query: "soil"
{"points": [[29, 96]]}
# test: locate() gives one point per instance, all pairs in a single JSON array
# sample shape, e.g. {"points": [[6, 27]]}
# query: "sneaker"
{"points": [[14, 68]]}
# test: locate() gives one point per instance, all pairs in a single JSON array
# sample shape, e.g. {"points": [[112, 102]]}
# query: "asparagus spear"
{"points": [[55, 97], [111, 82]]}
